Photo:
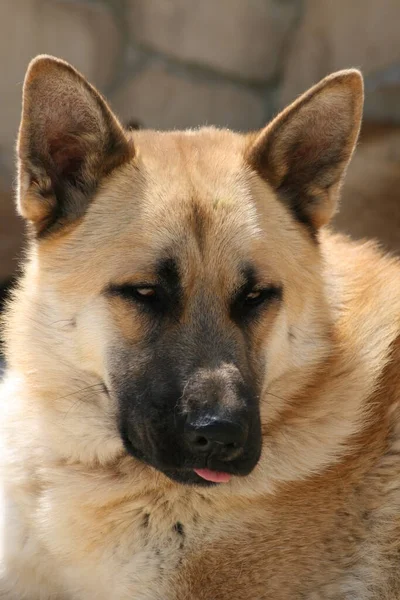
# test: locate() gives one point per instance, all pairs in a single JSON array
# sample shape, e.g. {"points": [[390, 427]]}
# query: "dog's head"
{"points": [[186, 263]]}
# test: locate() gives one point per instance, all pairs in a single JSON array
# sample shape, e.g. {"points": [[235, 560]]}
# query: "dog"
{"points": [[201, 399]]}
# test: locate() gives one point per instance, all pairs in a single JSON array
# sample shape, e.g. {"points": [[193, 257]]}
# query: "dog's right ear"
{"points": [[68, 141]]}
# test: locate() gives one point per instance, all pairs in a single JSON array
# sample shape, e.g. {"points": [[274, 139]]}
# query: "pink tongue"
{"points": [[214, 476]]}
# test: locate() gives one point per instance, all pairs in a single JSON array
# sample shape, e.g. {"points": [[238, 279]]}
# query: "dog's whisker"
{"points": [[100, 385], [276, 396]]}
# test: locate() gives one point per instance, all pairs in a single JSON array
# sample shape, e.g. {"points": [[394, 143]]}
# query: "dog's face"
{"points": [[187, 262]]}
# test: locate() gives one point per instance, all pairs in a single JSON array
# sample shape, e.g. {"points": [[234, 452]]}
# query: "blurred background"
{"points": [[234, 63]]}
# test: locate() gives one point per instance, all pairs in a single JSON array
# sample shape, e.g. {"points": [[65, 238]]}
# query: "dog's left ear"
{"points": [[68, 141], [303, 153]]}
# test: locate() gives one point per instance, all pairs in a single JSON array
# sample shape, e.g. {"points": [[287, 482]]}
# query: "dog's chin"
{"points": [[182, 476]]}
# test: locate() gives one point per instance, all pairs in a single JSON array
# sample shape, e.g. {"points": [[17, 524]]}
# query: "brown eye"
{"points": [[146, 292], [253, 296], [146, 295], [256, 298]]}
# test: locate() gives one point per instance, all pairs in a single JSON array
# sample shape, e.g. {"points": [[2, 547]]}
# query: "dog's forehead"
{"points": [[207, 148], [195, 179]]}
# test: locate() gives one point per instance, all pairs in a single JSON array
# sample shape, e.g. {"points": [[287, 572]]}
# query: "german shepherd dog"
{"points": [[201, 399]]}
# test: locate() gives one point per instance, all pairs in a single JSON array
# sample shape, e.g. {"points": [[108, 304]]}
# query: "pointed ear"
{"points": [[68, 141], [303, 153]]}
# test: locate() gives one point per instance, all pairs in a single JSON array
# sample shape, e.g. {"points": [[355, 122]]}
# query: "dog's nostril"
{"points": [[202, 441], [197, 441], [211, 435]]}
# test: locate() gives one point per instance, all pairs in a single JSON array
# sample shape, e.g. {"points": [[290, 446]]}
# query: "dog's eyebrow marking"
{"points": [[249, 276], [251, 280], [167, 271]]}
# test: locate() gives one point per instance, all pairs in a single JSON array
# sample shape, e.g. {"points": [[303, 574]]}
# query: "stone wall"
{"points": [[183, 63]]}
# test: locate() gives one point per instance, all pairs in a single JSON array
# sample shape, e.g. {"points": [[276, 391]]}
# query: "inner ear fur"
{"points": [[304, 152], [68, 141]]}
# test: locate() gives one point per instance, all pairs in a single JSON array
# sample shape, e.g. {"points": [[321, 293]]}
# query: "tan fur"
{"points": [[318, 518]]}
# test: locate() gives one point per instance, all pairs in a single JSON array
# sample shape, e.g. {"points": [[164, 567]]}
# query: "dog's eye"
{"points": [[146, 292], [147, 295], [248, 302], [256, 297]]}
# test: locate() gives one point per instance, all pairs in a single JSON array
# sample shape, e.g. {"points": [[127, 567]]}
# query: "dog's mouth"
{"points": [[206, 475]]}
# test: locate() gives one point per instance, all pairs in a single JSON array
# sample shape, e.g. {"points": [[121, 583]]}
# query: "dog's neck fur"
{"points": [[327, 392]]}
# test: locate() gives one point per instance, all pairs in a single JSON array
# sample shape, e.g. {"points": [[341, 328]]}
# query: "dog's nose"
{"points": [[211, 435]]}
